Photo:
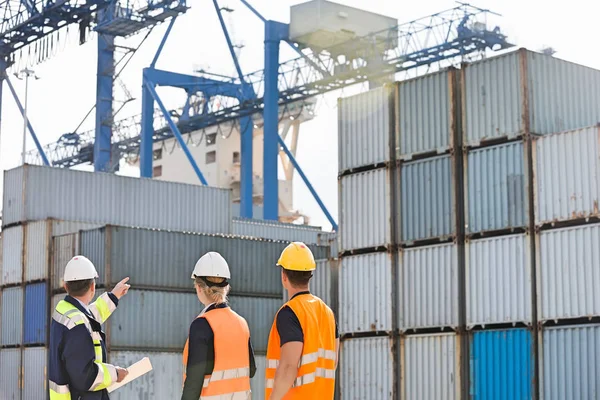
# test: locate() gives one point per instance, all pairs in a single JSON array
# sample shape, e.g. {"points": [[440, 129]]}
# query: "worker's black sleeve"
{"points": [[79, 358], [201, 351], [289, 328], [252, 361]]}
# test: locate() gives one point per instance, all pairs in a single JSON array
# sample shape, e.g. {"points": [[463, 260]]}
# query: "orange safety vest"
{"points": [[316, 372], [230, 378]]}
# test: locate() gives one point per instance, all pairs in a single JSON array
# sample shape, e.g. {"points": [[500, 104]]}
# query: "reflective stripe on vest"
{"points": [[69, 316], [316, 367], [230, 379]]}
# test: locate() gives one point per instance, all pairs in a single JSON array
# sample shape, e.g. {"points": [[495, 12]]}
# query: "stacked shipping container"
{"points": [[481, 172]]}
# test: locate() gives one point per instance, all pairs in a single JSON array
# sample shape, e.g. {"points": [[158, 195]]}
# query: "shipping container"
{"points": [[63, 249], [427, 199], [504, 96], [258, 383], [37, 249], [431, 367], [569, 362], [165, 381], [12, 316], [35, 329], [365, 287], [498, 274], [425, 109], [161, 259], [567, 273], [60, 228], [365, 210], [324, 283], [428, 287], [35, 373], [366, 368], [502, 364], [12, 256], [567, 176], [161, 320], [111, 199], [10, 374], [274, 230], [496, 184], [364, 129]]}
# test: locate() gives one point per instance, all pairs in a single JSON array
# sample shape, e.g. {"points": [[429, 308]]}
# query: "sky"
{"points": [[65, 90]]}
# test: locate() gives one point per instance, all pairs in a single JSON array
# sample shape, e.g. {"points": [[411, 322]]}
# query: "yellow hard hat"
{"points": [[297, 257]]}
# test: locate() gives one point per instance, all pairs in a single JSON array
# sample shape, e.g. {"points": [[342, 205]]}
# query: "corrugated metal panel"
{"points": [[108, 198], [12, 316], [10, 371], [276, 231], [364, 129], [257, 211], [257, 384], [429, 287], [63, 249], [36, 313], [563, 95], [35, 378], [163, 382], [501, 364], [569, 363], [92, 244], [425, 107], [498, 280], [37, 250], [367, 368], [427, 199], [431, 367], [60, 228], [492, 99], [12, 255], [497, 188], [372, 309], [365, 218], [162, 259], [161, 320], [12, 196], [567, 175], [567, 272]]}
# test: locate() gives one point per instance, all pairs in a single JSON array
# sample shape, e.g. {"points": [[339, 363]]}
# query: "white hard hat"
{"points": [[211, 264], [79, 268]]}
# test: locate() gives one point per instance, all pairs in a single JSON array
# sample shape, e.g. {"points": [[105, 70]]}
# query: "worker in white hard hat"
{"points": [[77, 362], [218, 358]]}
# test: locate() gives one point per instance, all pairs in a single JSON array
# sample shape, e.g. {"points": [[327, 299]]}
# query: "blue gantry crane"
{"points": [[445, 37]]}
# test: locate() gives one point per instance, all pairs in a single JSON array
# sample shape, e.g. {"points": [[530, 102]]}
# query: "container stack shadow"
{"points": [[468, 227]]}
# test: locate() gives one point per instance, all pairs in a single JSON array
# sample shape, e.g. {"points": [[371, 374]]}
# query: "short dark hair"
{"points": [[298, 278], [79, 288]]}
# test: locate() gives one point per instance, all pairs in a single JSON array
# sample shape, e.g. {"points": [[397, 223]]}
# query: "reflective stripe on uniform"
{"points": [[229, 374], [308, 378], [230, 396], [59, 392], [308, 358], [102, 308]]}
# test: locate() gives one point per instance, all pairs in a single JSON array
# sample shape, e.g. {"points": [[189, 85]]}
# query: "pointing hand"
{"points": [[121, 288]]}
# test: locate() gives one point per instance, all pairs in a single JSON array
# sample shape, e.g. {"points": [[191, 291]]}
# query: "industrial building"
{"points": [[465, 260]]}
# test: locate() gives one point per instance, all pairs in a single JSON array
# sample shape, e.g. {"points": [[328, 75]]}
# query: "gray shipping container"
{"points": [[366, 368], [499, 273], [11, 325], [503, 96], [258, 383], [365, 210], [431, 367], [428, 287], [567, 273], [276, 230], [567, 176], [427, 204], [365, 287], [364, 129], [569, 362], [111, 199], [425, 109], [161, 320], [12, 256], [161, 259], [35, 373], [496, 184], [11, 382]]}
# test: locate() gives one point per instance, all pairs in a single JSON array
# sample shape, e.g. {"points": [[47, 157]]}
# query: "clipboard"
{"points": [[136, 370]]}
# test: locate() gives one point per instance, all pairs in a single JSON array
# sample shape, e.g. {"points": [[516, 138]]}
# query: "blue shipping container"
{"points": [[502, 364], [36, 313]]}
